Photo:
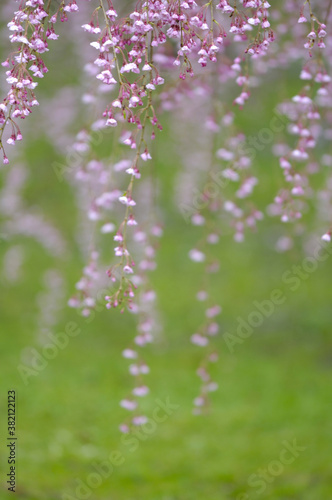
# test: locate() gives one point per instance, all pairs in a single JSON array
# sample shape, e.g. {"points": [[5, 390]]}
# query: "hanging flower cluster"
{"points": [[32, 27], [304, 112], [127, 49], [143, 307], [163, 56], [222, 204]]}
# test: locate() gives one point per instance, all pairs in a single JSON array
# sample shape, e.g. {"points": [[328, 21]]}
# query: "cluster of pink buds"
{"points": [[304, 113], [138, 369], [317, 30], [210, 327], [236, 175], [146, 328], [255, 30], [85, 297], [31, 29], [207, 384], [225, 197]]}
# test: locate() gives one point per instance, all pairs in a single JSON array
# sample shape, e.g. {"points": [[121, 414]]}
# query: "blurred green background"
{"points": [[275, 387]]}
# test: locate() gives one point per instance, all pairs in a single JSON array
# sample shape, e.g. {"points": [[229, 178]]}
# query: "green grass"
{"points": [[68, 417], [274, 388]]}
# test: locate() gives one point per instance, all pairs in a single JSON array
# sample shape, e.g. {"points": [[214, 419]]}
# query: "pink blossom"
{"points": [[212, 386], [108, 228], [212, 238], [129, 353], [199, 401], [124, 428], [140, 391], [128, 270], [71, 7], [111, 13], [198, 220], [127, 200], [199, 340], [196, 256], [213, 329], [140, 420], [128, 404], [111, 122], [146, 155], [213, 311], [202, 295]]}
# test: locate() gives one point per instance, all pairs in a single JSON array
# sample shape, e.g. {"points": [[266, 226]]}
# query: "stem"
{"points": [[328, 12]]}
